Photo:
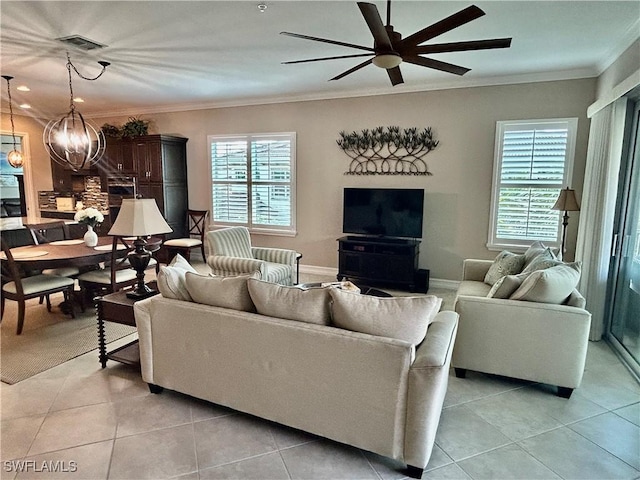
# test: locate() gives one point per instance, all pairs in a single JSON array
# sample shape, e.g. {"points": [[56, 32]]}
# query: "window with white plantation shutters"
{"points": [[533, 162], [253, 181]]}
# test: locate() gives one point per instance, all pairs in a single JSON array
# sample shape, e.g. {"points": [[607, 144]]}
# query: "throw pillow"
{"points": [[544, 260], [537, 248], [552, 285], [506, 263], [291, 303], [227, 292], [402, 318], [171, 279], [506, 286]]}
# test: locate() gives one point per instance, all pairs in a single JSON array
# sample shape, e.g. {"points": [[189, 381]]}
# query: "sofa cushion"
{"points": [[506, 286], [171, 279], [227, 292], [506, 263], [551, 285], [291, 303], [473, 288], [402, 318]]}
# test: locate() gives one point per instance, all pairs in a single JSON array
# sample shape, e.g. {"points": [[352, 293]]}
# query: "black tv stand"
{"points": [[379, 260]]}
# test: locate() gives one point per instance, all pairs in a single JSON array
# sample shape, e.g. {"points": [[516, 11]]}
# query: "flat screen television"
{"points": [[383, 212]]}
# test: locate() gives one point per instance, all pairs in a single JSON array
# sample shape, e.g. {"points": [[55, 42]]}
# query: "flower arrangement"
{"points": [[89, 216]]}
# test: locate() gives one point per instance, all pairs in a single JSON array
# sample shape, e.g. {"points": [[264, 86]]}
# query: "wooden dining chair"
{"points": [[42, 233], [18, 288], [196, 227], [116, 275]]}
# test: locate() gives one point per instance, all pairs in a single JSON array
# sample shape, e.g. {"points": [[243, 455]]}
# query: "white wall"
{"points": [[457, 196]]}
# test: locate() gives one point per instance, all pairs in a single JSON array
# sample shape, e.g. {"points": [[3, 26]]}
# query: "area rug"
{"points": [[48, 339]]}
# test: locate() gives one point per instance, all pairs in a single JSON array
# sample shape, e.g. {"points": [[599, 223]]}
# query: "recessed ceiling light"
{"points": [[23, 88], [25, 106], [78, 100], [262, 7]]}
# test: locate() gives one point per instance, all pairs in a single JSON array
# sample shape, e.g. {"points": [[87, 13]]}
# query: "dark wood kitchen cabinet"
{"points": [[159, 164]]}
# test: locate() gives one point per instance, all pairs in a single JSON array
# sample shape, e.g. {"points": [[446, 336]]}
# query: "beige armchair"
{"points": [[231, 253], [541, 342]]}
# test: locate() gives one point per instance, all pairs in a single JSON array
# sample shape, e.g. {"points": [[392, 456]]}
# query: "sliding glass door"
{"points": [[624, 325]]}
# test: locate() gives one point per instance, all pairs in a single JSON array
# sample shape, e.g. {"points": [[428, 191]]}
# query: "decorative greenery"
{"points": [[111, 131], [135, 127], [388, 151]]}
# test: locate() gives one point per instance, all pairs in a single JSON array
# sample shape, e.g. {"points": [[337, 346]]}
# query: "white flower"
{"points": [[89, 216]]}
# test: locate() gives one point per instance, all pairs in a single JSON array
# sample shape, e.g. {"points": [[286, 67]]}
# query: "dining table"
{"points": [[62, 253]]}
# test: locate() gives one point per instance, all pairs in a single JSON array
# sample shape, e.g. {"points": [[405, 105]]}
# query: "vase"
{"points": [[91, 237]]}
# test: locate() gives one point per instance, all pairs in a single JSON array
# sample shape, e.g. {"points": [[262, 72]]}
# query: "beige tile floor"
{"points": [[104, 424]]}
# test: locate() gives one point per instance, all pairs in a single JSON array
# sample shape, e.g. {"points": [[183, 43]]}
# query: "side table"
{"points": [[117, 308]]}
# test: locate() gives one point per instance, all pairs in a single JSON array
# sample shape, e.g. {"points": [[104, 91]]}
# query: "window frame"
{"points": [[498, 244], [261, 229]]}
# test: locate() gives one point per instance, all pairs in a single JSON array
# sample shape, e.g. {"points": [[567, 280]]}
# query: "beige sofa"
{"points": [[541, 342], [380, 394]]}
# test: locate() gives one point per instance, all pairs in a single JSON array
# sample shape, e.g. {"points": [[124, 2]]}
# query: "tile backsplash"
{"points": [[92, 196]]}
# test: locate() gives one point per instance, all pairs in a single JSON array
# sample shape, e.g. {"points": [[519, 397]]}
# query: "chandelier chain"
{"points": [[13, 133], [71, 65]]}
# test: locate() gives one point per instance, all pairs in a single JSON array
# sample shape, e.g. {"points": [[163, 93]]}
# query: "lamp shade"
{"points": [[566, 201], [139, 217]]}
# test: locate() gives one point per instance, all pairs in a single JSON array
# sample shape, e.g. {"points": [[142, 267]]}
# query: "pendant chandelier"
{"points": [[72, 141], [14, 157]]}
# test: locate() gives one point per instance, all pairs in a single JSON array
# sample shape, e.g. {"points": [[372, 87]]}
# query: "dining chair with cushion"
{"points": [[116, 275], [196, 227], [18, 288], [43, 233], [231, 253]]}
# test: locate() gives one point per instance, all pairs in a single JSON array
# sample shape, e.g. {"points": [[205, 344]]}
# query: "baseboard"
{"points": [[332, 272]]}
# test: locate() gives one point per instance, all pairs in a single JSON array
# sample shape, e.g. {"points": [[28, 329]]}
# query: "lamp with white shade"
{"points": [[566, 202], [139, 217]]}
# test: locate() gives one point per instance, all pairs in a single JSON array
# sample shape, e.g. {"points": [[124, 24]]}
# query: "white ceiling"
{"points": [[183, 55]]}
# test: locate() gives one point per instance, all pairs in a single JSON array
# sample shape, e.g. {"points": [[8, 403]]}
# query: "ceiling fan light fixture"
{"points": [[387, 60]]}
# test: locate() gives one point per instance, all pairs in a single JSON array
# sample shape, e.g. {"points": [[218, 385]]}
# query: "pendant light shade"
{"points": [[14, 157], [72, 141]]}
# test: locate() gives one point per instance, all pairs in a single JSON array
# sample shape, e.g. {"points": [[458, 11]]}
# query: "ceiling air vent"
{"points": [[80, 42]]}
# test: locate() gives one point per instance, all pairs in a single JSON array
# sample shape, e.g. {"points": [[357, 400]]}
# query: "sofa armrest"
{"points": [[475, 269], [142, 314], [428, 380], [541, 342], [223, 265], [275, 255]]}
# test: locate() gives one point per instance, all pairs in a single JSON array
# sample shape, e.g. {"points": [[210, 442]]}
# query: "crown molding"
{"points": [[445, 85], [628, 39]]}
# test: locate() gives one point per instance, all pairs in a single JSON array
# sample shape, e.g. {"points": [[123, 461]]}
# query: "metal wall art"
{"points": [[388, 151]]}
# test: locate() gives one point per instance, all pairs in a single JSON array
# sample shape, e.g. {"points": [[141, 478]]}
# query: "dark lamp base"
{"points": [[140, 293]]}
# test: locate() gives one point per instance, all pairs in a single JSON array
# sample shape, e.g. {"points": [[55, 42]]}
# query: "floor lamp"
{"points": [[139, 217], [566, 202]]}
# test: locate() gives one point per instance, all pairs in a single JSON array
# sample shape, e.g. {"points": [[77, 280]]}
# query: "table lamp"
{"points": [[139, 217], [566, 202]]}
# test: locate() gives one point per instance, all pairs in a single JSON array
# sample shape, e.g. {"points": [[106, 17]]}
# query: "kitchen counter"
{"points": [[16, 234]]}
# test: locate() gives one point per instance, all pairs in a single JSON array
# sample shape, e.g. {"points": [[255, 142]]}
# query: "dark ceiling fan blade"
{"points": [[443, 26], [325, 40], [395, 76], [329, 58], [372, 17], [462, 46], [436, 64], [351, 70]]}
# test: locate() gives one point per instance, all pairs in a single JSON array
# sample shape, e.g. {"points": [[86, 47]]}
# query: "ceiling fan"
{"points": [[390, 49]]}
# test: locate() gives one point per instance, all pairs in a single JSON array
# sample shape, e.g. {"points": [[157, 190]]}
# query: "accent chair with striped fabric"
{"points": [[231, 253]]}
